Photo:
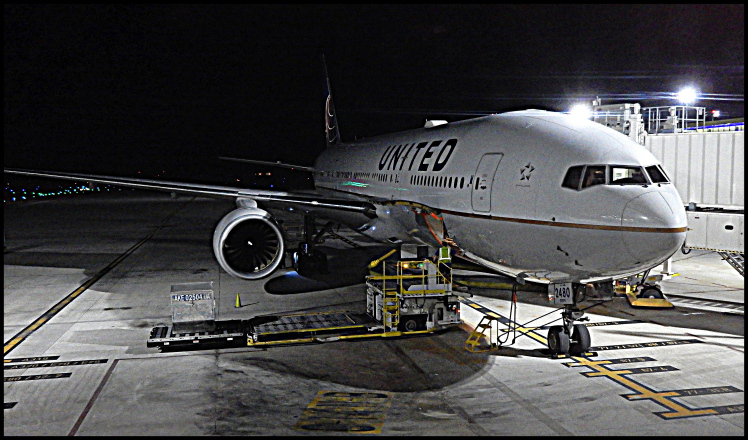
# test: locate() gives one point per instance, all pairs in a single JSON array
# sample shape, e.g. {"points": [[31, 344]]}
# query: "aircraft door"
{"points": [[484, 177]]}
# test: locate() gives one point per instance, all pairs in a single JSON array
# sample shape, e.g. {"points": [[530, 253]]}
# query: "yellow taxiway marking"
{"points": [[49, 314], [349, 412], [643, 392]]}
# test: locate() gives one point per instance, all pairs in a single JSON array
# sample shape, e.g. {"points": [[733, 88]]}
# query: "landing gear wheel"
{"points": [[558, 340], [410, 325], [651, 292], [582, 340], [310, 264]]}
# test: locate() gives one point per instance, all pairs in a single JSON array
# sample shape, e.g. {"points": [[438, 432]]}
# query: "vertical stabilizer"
{"points": [[331, 121]]}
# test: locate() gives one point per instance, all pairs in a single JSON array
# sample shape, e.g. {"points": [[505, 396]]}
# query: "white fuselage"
{"points": [[496, 182]]}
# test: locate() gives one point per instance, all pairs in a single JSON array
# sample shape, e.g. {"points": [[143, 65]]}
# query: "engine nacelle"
{"points": [[248, 243]]}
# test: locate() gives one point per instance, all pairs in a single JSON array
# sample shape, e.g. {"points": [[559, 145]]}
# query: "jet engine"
{"points": [[248, 243]]}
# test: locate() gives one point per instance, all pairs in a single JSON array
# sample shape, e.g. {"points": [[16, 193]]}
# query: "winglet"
{"points": [[331, 121]]}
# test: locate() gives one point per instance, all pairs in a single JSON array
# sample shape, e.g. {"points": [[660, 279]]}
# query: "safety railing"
{"points": [[416, 277]]}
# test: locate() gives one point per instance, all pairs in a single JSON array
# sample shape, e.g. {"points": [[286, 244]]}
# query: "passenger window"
{"points": [[593, 175], [624, 175], [572, 177], [656, 175]]}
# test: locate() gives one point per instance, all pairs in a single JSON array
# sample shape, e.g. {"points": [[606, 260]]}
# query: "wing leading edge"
{"points": [[275, 199], [270, 164]]}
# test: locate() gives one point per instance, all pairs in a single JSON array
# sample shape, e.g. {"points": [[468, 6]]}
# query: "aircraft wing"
{"points": [[310, 203], [270, 164]]}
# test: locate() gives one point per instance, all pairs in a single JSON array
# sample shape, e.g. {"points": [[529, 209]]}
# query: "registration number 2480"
{"points": [[560, 293]]}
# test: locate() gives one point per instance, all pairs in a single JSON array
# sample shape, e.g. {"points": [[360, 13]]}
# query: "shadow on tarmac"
{"points": [[346, 267], [414, 364]]}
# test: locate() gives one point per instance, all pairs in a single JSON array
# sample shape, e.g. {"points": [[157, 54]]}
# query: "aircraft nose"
{"points": [[655, 226]]}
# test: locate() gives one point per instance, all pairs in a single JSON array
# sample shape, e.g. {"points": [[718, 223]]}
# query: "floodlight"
{"points": [[687, 96], [581, 111]]}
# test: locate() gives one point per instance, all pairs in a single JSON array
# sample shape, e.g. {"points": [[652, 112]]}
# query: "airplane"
{"points": [[539, 196]]}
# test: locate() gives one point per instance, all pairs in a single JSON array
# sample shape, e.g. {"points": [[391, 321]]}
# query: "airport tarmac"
{"points": [[86, 277]]}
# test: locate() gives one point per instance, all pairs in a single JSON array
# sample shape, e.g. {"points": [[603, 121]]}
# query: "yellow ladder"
{"points": [[390, 309], [473, 340]]}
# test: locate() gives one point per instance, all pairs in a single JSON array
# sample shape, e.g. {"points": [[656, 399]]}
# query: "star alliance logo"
{"points": [[526, 171]]}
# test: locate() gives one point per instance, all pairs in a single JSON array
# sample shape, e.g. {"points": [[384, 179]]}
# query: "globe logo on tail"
{"points": [[330, 123]]}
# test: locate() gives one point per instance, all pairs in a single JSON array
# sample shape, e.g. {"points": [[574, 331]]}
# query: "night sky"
{"points": [[115, 89]]}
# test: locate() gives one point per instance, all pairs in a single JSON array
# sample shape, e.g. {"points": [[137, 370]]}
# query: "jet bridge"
{"points": [[707, 168]]}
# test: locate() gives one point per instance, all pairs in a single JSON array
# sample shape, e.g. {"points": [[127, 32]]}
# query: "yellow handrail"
{"points": [[400, 276], [374, 263], [411, 264]]}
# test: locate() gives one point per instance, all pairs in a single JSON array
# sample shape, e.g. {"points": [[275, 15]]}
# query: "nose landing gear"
{"points": [[569, 338], [573, 337]]}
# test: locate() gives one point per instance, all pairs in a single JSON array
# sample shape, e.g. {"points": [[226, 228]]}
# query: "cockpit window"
{"points": [[591, 175], [656, 174], [623, 175], [573, 176], [594, 175]]}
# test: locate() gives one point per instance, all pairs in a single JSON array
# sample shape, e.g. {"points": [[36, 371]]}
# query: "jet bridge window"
{"points": [[627, 175], [657, 174]]}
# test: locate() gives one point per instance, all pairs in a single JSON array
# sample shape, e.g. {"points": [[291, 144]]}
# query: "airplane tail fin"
{"points": [[331, 121]]}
